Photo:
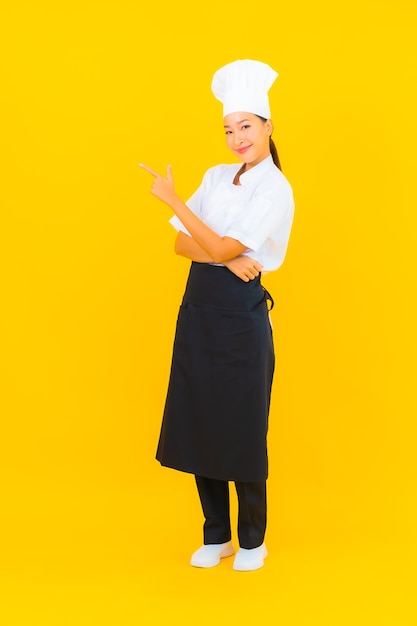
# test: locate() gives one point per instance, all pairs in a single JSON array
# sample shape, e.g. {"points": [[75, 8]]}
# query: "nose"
{"points": [[238, 138]]}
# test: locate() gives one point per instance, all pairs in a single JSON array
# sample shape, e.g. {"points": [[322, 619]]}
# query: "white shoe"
{"points": [[209, 555], [248, 560]]}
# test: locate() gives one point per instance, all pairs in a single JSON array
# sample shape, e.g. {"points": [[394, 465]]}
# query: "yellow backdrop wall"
{"points": [[94, 531]]}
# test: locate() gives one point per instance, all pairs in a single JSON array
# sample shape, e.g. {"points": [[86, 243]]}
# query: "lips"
{"points": [[243, 150]]}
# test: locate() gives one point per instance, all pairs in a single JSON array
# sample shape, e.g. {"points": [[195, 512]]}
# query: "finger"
{"points": [[254, 264], [253, 272], [148, 169], [169, 173]]}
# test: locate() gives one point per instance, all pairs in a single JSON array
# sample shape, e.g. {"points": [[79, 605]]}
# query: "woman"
{"points": [[236, 225]]}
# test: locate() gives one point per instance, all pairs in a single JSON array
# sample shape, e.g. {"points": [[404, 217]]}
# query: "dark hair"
{"points": [[272, 147]]}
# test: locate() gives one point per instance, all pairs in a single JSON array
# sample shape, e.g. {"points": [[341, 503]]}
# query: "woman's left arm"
{"points": [[243, 267], [187, 247], [219, 249]]}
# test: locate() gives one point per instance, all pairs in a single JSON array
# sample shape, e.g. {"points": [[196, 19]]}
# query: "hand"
{"points": [[162, 188], [244, 267]]}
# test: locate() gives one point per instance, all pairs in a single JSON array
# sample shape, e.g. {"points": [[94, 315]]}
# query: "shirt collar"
{"points": [[254, 173]]}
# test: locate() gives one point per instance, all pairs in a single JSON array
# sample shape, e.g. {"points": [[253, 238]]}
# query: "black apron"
{"points": [[216, 412]]}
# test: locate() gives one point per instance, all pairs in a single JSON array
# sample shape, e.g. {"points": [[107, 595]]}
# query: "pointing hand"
{"points": [[162, 188]]}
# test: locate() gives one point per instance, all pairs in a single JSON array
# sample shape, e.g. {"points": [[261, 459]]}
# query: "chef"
{"points": [[234, 228]]}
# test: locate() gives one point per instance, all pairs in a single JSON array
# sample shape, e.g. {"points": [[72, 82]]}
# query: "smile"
{"points": [[242, 150]]}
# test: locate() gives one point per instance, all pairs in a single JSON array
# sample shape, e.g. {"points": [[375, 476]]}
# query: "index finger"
{"points": [[148, 169]]}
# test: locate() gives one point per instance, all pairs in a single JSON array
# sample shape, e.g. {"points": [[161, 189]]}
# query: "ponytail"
{"points": [[274, 153], [272, 147]]}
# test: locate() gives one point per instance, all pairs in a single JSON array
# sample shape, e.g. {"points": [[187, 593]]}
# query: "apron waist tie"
{"points": [[268, 298]]}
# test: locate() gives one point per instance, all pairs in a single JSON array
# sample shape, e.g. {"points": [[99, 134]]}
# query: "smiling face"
{"points": [[247, 136]]}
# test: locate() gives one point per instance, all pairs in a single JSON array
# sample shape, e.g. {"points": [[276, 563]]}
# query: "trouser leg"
{"points": [[214, 497], [252, 513]]}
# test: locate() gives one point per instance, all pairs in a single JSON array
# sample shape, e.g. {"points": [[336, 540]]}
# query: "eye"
{"points": [[245, 126], [228, 132]]}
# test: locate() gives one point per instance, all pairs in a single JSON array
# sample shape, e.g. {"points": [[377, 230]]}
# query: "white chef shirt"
{"points": [[258, 212]]}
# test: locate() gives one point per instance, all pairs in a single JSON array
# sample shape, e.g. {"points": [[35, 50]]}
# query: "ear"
{"points": [[269, 127]]}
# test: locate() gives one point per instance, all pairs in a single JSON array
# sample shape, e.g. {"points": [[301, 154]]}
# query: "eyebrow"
{"points": [[240, 122]]}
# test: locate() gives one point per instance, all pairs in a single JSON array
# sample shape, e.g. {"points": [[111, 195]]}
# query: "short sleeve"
{"points": [[265, 217]]}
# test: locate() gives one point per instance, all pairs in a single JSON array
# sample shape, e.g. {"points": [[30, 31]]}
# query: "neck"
{"points": [[236, 180]]}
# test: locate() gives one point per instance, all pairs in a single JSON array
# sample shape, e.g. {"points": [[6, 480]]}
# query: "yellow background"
{"points": [[94, 531]]}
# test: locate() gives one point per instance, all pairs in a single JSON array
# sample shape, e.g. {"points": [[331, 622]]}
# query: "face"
{"points": [[247, 136]]}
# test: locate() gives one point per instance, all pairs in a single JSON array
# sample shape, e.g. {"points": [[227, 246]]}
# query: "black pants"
{"points": [[214, 497]]}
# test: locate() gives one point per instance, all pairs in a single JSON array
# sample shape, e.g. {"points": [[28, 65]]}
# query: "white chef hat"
{"points": [[244, 86]]}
